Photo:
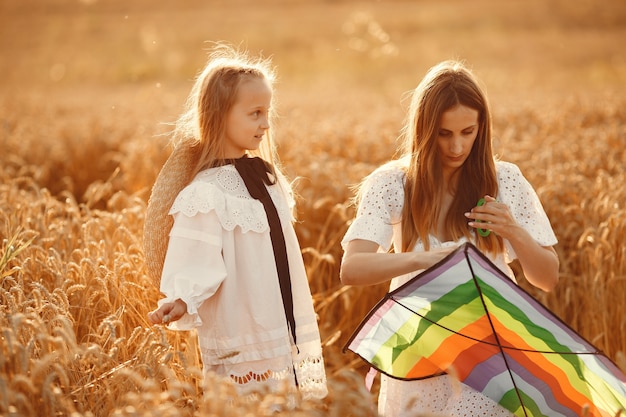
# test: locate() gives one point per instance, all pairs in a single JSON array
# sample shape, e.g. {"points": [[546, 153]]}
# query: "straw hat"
{"points": [[173, 177]]}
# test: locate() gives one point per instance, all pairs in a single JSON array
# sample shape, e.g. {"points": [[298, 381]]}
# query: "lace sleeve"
{"points": [[379, 209], [519, 195]]}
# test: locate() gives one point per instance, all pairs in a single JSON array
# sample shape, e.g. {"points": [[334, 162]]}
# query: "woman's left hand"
{"points": [[493, 216], [540, 263]]}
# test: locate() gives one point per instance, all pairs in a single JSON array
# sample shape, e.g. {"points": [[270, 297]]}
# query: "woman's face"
{"points": [[457, 133]]}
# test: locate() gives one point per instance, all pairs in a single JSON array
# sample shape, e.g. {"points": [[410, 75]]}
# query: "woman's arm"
{"points": [[540, 263], [362, 264]]}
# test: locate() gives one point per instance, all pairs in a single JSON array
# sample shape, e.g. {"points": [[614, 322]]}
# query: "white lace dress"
{"points": [[379, 220], [220, 262]]}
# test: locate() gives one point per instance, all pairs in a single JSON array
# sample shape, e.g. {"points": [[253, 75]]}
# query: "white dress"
{"points": [[220, 262], [378, 220]]}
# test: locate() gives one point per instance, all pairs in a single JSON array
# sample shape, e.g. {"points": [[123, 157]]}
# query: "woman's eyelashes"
{"points": [[466, 132]]}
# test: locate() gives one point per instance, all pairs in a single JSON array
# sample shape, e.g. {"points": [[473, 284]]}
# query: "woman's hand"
{"points": [[493, 216], [168, 312], [362, 264], [540, 263]]}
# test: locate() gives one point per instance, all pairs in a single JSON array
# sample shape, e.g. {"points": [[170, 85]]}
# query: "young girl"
{"points": [[233, 269], [424, 205]]}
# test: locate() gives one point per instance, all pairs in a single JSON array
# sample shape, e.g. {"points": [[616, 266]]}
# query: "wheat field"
{"points": [[88, 89]]}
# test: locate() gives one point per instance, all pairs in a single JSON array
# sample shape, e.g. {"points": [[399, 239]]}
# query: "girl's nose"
{"points": [[265, 123]]}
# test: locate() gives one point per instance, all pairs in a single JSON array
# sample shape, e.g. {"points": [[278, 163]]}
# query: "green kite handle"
{"points": [[482, 232]]}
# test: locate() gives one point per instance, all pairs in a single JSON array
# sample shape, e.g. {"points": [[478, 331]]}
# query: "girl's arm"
{"points": [[540, 263], [362, 264]]}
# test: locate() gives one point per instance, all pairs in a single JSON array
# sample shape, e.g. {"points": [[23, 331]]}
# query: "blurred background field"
{"points": [[87, 89]]}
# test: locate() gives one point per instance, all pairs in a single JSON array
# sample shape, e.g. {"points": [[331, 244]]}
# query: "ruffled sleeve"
{"points": [[516, 192], [194, 267], [379, 209], [216, 200]]}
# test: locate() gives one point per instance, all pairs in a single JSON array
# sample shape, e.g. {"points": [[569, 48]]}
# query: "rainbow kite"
{"points": [[465, 317]]}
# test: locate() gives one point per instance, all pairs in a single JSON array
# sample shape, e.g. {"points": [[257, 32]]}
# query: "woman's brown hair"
{"points": [[445, 86]]}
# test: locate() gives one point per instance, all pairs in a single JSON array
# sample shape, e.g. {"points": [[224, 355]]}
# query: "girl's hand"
{"points": [[493, 216], [168, 312]]}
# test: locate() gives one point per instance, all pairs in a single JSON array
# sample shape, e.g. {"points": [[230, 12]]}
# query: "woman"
{"points": [[414, 211]]}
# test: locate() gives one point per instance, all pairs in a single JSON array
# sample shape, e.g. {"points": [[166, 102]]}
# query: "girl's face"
{"points": [[457, 133], [248, 119]]}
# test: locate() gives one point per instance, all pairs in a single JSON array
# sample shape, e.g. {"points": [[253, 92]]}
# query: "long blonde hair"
{"points": [[198, 140], [202, 124], [444, 86]]}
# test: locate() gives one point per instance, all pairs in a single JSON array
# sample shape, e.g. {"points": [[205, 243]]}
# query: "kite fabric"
{"points": [[465, 317]]}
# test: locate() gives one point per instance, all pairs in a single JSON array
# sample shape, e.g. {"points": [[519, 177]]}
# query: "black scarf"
{"points": [[254, 173]]}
